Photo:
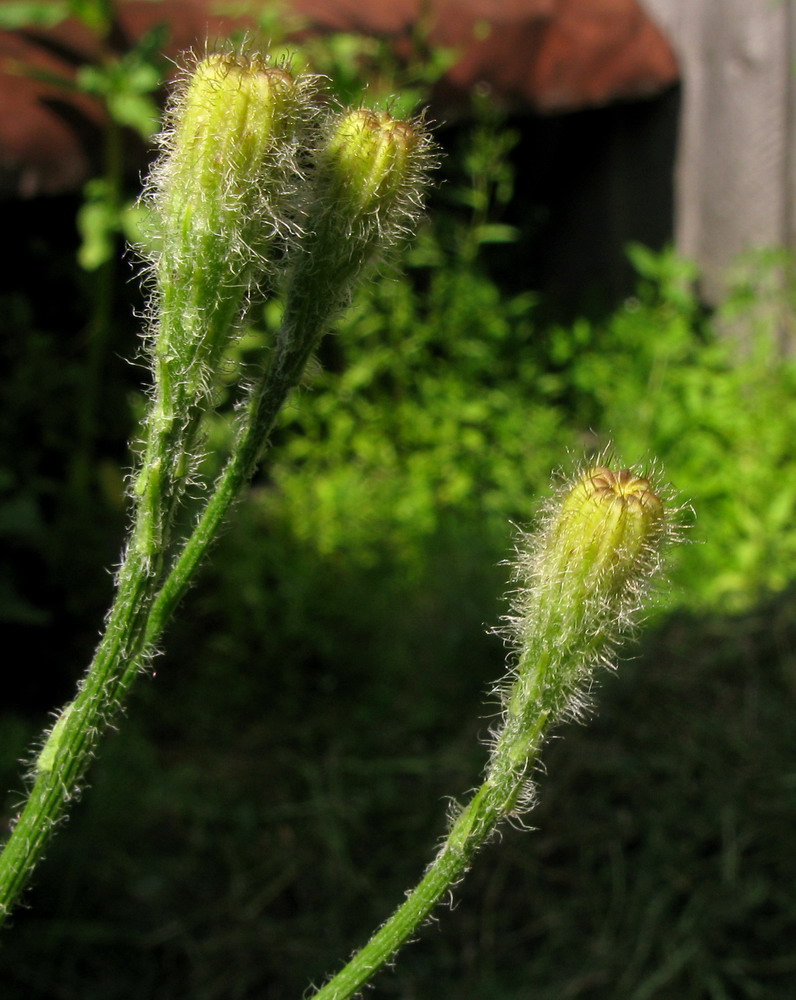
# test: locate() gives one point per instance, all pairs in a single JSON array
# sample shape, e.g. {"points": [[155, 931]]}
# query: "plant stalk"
{"points": [[491, 803], [138, 616]]}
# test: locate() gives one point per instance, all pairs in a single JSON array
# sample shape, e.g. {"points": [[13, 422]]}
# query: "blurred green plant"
{"points": [[454, 400], [441, 407], [359, 68], [230, 197]]}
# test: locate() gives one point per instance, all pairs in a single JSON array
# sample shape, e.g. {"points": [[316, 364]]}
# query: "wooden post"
{"points": [[735, 186]]}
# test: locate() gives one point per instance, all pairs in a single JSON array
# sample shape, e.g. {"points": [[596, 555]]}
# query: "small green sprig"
{"points": [[581, 580]]}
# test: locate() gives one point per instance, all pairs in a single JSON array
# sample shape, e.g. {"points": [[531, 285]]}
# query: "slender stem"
{"points": [[265, 402], [516, 749], [493, 800], [580, 581], [71, 743], [138, 616], [368, 177], [74, 742]]}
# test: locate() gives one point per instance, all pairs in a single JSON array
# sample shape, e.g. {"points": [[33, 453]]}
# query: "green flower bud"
{"points": [[221, 196], [580, 581], [369, 178], [233, 124], [601, 540], [368, 160]]}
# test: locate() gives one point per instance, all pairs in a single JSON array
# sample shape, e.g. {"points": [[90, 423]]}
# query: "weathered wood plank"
{"points": [[735, 175]]}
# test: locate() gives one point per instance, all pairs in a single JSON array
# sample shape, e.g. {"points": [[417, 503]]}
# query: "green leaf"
{"points": [[135, 111], [98, 222], [496, 233]]}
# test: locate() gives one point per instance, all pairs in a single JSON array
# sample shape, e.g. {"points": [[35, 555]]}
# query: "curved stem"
{"points": [[493, 800], [296, 341], [70, 745], [516, 750]]}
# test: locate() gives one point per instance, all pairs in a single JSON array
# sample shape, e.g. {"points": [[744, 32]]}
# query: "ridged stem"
{"points": [[200, 294], [138, 617], [265, 401], [70, 746]]}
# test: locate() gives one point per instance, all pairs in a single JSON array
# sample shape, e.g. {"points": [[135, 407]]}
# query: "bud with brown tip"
{"points": [[581, 579]]}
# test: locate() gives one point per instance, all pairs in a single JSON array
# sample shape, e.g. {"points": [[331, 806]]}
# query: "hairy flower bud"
{"points": [[604, 534], [369, 160], [580, 581], [370, 173], [221, 194], [233, 124]]}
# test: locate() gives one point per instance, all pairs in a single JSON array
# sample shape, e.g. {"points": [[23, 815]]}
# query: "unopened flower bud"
{"points": [[370, 175], [602, 538], [221, 193], [581, 579], [232, 124], [369, 161]]}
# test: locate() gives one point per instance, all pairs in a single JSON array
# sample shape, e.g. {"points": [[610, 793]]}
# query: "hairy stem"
{"points": [[366, 188], [491, 803], [71, 744], [580, 577], [137, 619], [265, 401]]}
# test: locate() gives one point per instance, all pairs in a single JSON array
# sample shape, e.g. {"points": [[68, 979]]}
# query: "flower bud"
{"points": [[221, 194], [369, 178], [581, 579], [235, 118], [369, 162], [600, 541]]}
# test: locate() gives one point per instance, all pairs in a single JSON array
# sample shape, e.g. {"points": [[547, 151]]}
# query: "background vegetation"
{"points": [[281, 780]]}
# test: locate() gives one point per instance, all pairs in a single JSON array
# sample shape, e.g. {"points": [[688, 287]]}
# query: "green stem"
{"points": [[493, 800], [516, 749], [137, 619], [265, 402], [370, 172], [71, 745], [580, 581]]}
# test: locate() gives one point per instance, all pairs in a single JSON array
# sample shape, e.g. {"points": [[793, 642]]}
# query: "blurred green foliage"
{"points": [[441, 400], [710, 397]]}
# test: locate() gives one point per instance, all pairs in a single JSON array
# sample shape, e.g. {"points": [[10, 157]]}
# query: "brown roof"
{"points": [[542, 55]]}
